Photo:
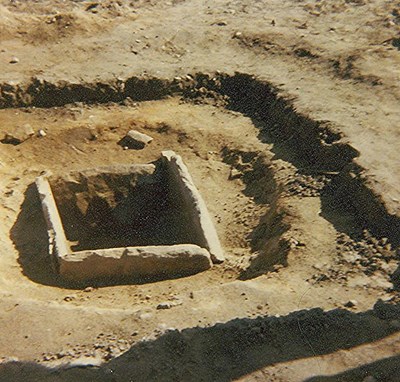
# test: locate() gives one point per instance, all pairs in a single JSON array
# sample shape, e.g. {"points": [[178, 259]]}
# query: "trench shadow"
{"points": [[29, 235], [296, 138], [267, 244], [227, 351], [265, 240], [343, 216], [387, 370]]}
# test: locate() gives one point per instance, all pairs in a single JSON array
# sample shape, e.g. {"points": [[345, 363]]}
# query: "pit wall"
{"points": [[74, 191], [268, 241], [317, 144]]}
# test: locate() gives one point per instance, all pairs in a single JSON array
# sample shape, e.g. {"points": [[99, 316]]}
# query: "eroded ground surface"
{"points": [[309, 288]]}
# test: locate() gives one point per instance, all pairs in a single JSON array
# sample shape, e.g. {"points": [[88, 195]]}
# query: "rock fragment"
{"points": [[135, 140], [351, 304], [19, 134], [164, 305], [14, 60], [234, 174]]}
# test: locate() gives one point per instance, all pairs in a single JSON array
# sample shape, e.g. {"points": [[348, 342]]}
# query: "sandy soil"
{"points": [[304, 193]]}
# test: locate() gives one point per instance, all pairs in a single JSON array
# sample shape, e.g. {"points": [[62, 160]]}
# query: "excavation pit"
{"points": [[132, 221]]}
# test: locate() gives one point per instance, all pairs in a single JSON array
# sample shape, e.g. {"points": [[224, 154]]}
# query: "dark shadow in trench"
{"points": [[384, 370], [29, 235], [227, 351], [313, 147]]}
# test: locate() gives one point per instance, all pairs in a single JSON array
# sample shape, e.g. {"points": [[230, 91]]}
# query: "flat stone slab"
{"points": [[150, 262], [135, 140], [19, 134], [194, 204]]}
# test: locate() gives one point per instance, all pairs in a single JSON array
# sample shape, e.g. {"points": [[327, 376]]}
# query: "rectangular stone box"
{"points": [[136, 221]]}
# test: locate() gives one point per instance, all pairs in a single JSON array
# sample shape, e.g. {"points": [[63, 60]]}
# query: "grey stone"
{"points": [[194, 205], [41, 133], [164, 305], [135, 140], [135, 262]]}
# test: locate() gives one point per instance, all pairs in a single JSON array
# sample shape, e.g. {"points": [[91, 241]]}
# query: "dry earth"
{"points": [[287, 116]]}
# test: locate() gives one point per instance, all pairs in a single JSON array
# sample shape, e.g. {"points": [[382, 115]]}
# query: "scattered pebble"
{"points": [[69, 298], [165, 305], [351, 304], [14, 60]]}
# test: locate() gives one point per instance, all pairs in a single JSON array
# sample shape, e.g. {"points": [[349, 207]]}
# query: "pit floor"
{"points": [[74, 321]]}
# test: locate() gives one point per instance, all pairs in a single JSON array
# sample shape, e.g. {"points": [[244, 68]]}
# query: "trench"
{"points": [[315, 148]]}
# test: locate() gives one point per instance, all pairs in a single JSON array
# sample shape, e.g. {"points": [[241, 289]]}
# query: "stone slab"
{"points": [[194, 204], [161, 262]]}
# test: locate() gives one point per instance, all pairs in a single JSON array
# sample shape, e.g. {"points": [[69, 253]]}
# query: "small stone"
{"points": [[383, 241], [135, 140], [69, 298], [88, 289], [164, 305], [41, 133], [14, 60], [238, 34], [145, 316], [234, 174], [351, 303], [128, 101]]}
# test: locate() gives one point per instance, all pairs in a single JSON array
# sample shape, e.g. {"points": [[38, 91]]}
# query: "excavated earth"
{"points": [[286, 115]]}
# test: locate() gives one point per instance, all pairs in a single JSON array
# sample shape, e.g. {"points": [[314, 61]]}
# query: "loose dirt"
{"points": [[286, 114]]}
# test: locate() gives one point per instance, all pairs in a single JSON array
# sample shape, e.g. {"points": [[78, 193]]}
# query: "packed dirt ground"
{"points": [[287, 116]]}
